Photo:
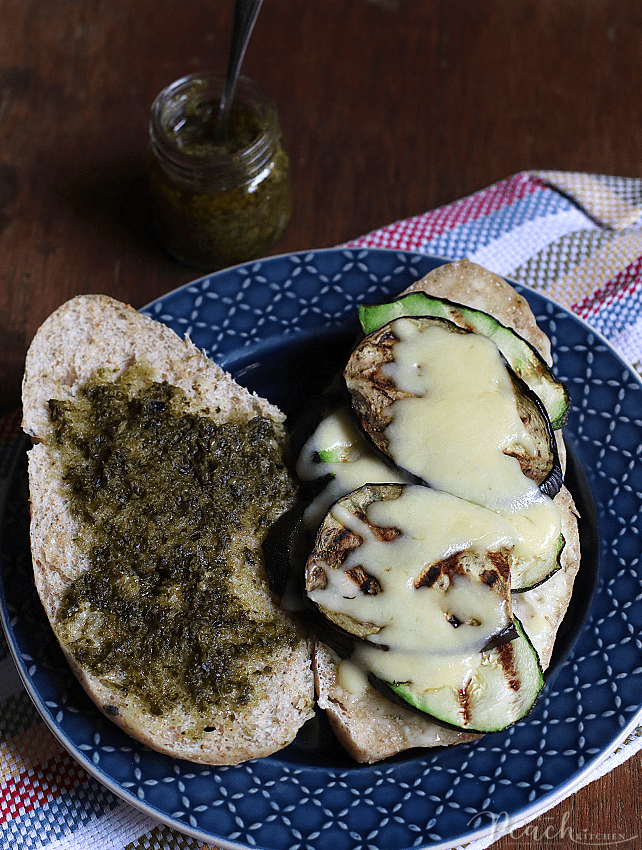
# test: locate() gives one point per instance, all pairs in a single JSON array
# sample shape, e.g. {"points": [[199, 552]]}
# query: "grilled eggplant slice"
{"points": [[335, 541], [375, 390], [434, 632], [525, 360], [544, 465], [402, 566], [339, 457]]}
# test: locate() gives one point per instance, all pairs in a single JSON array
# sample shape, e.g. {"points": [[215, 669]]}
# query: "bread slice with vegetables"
{"points": [[449, 545], [154, 479]]}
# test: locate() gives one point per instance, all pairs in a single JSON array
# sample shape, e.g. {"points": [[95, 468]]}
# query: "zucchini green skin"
{"points": [[525, 360], [504, 692], [333, 455]]}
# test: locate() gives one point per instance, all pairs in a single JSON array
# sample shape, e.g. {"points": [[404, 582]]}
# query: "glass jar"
{"points": [[217, 203]]}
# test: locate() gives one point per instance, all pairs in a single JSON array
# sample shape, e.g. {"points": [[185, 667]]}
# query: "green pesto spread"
{"points": [[173, 508]]}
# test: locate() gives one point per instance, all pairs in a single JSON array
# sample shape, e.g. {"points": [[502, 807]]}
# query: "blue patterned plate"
{"points": [[277, 325]]}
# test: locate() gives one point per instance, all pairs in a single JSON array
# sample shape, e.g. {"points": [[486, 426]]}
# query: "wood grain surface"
{"points": [[389, 108]]}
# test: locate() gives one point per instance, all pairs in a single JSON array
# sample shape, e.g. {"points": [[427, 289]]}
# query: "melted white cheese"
{"points": [[416, 638], [453, 434], [355, 464], [352, 677]]}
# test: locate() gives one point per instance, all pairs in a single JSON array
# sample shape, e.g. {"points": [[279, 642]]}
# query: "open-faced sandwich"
{"points": [[154, 479], [445, 542]]}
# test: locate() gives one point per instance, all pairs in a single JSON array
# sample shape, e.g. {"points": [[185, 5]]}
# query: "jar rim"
{"points": [[171, 100]]}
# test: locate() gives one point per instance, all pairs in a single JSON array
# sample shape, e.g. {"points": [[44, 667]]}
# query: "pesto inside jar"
{"points": [[195, 130], [217, 203], [173, 508]]}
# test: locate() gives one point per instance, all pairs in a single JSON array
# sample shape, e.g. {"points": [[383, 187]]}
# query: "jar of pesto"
{"points": [[217, 203]]}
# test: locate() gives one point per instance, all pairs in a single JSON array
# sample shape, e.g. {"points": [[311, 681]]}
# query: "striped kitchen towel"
{"points": [[577, 238]]}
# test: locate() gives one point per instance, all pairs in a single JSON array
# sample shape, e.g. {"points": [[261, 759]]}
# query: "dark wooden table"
{"points": [[389, 107]]}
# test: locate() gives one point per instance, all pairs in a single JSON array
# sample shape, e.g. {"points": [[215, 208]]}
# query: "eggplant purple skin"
{"points": [[278, 549], [551, 484]]}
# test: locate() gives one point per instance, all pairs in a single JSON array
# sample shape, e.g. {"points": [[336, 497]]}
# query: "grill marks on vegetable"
{"points": [[336, 542], [372, 391], [464, 697], [459, 563], [173, 507]]}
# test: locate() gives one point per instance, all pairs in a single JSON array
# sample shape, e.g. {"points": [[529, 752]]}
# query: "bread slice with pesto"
{"points": [[370, 726], [154, 479]]}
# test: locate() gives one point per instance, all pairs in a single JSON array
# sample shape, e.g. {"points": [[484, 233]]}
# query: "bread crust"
{"points": [[91, 332], [370, 727]]}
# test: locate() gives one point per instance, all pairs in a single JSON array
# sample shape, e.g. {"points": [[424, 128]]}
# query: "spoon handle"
{"points": [[245, 15]]}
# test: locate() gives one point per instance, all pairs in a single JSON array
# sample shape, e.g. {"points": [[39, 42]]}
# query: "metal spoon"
{"points": [[245, 15]]}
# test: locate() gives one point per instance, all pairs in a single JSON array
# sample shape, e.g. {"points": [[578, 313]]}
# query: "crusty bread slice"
{"points": [[92, 332], [370, 727]]}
